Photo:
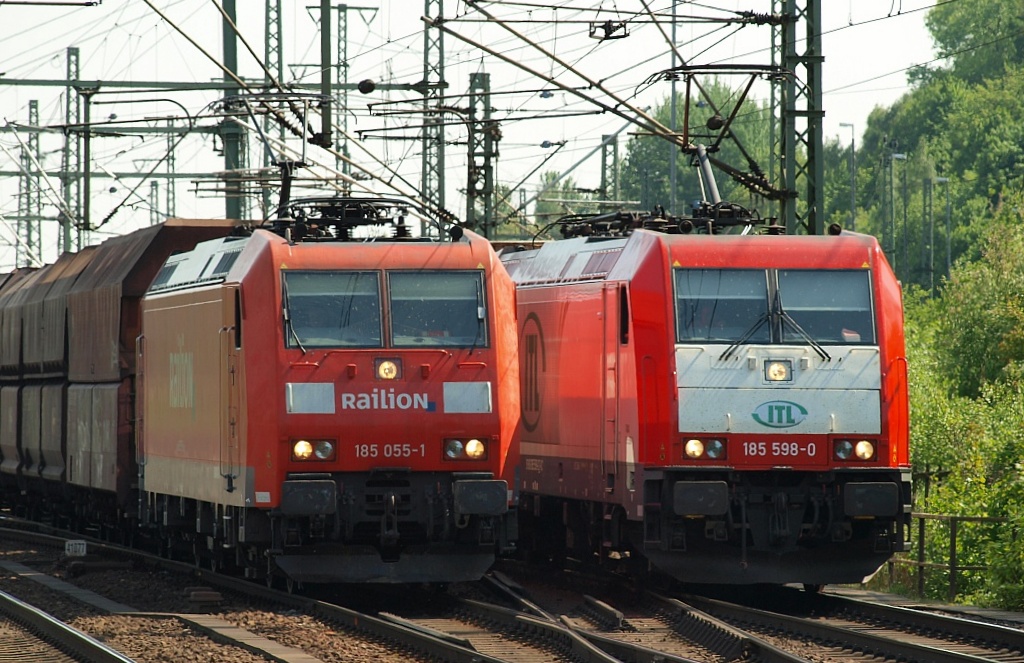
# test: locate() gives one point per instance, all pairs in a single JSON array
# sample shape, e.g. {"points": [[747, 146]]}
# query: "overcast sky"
{"points": [[868, 44]]}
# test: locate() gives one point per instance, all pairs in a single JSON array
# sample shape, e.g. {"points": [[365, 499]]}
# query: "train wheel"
{"points": [[292, 586]]}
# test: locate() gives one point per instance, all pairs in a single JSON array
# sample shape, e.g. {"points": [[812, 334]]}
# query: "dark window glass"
{"points": [[721, 305], [437, 309], [225, 263], [165, 274], [332, 309], [832, 306]]}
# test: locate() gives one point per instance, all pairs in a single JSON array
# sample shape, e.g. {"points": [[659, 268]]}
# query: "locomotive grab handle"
{"points": [[140, 382], [140, 455]]}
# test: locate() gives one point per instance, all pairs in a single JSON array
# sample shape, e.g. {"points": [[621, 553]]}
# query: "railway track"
{"points": [[649, 628], [28, 634], [790, 626], [501, 621], [229, 620], [860, 630]]}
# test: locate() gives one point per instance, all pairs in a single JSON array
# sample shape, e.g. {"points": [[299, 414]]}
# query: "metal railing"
{"points": [[951, 566]]}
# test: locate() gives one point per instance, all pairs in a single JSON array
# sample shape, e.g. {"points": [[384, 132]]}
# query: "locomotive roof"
{"points": [[612, 258], [128, 261], [211, 261], [208, 262]]}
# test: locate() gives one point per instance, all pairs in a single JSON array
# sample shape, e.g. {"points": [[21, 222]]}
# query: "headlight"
{"points": [[324, 450], [854, 449], [302, 450], [313, 450], [453, 449], [778, 370], [388, 369], [473, 448], [864, 450], [712, 449]]}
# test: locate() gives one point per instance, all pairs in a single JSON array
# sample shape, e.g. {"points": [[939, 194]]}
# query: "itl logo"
{"points": [[779, 414]]}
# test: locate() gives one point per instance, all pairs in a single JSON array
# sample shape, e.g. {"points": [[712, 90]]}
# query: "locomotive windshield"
{"points": [[831, 307], [437, 308], [327, 309], [720, 304]]}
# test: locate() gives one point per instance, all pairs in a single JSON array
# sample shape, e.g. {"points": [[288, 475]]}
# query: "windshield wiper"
{"points": [[787, 318], [746, 337], [285, 308]]}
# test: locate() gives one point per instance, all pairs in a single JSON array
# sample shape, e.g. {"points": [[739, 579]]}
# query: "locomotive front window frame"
{"points": [[720, 305], [331, 309], [833, 306], [827, 306], [437, 308]]}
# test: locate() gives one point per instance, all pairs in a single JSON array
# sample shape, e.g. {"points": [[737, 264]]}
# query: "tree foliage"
{"points": [[560, 197], [986, 336], [982, 38], [966, 356]]}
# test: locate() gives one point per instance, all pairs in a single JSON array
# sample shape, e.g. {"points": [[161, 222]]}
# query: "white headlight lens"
{"points": [[388, 369], [864, 450], [475, 449], [324, 450], [694, 449], [843, 449], [302, 450], [715, 449], [453, 448], [778, 370]]}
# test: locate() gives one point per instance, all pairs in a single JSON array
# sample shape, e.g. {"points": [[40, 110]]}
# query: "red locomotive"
{"points": [[731, 407], [326, 399]]}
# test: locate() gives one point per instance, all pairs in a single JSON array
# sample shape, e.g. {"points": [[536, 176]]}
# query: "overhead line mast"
{"points": [[433, 92]]}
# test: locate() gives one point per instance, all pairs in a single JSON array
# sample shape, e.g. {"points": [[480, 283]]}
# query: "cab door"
{"points": [[612, 338]]}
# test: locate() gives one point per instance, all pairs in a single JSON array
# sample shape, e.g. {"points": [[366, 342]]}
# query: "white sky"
{"points": [[867, 45]]}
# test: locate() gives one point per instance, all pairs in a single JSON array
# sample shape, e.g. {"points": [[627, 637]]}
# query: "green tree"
{"points": [[982, 38], [985, 337], [511, 222], [965, 354], [558, 198]]}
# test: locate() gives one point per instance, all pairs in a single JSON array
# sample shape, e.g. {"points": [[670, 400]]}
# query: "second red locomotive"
{"points": [[732, 408]]}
